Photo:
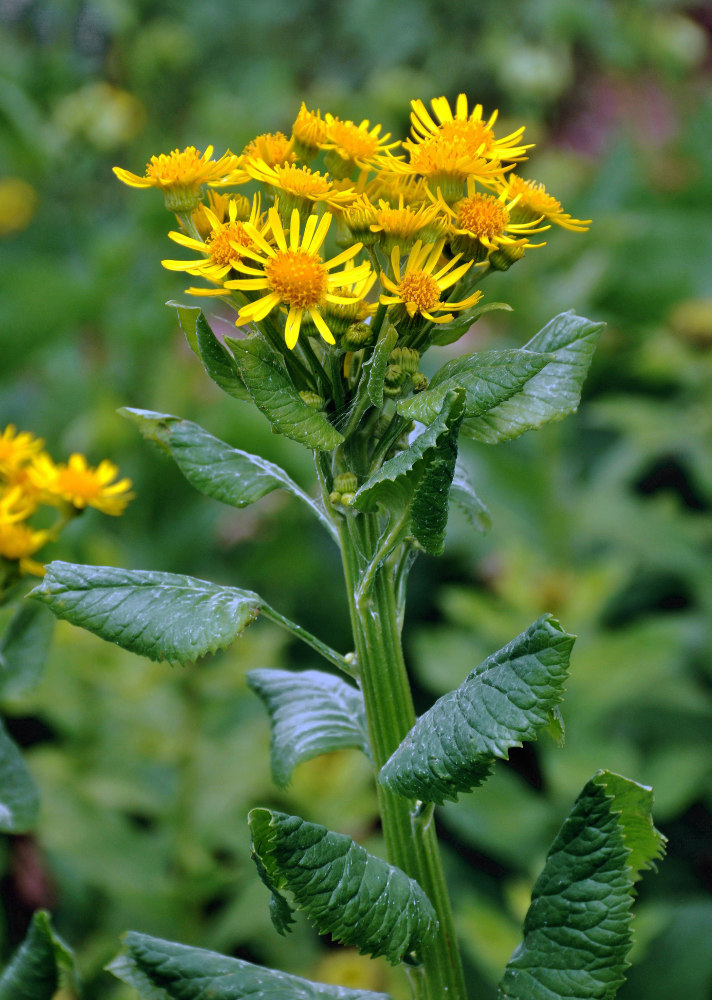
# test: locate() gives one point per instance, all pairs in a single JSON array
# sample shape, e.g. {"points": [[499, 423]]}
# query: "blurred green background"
{"points": [[146, 772]]}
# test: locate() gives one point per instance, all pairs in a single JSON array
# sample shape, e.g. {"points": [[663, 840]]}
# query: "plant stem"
{"points": [[411, 843]]}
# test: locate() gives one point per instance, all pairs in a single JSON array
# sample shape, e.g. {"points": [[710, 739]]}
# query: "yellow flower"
{"points": [[17, 449], [19, 541], [222, 245], [418, 289], [532, 201], [181, 174], [400, 226], [82, 486], [15, 505], [350, 146], [470, 131], [308, 132], [219, 203], [298, 187], [294, 275], [271, 147], [353, 306], [18, 201]]}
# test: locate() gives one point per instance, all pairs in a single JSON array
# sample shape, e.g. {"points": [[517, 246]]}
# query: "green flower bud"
{"points": [[313, 399], [419, 381], [406, 358], [345, 482], [356, 336]]}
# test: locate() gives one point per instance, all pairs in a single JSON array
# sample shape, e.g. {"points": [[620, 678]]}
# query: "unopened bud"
{"points": [[503, 258], [406, 358], [356, 336], [345, 482], [419, 381]]}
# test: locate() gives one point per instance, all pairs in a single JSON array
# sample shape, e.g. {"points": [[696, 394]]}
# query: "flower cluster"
{"points": [[30, 479], [418, 223]]}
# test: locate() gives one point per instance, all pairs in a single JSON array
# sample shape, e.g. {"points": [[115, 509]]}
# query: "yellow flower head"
{"points": [[219, 203], [272, 147], [353, 307], [77, 483], [222, 245], [17, 449], [350, 146], [402, 225], [181, 174], [14, 505], [469, 131], [294, 275], [298, 187], [308, 132], [418, 289], [533, 201]]}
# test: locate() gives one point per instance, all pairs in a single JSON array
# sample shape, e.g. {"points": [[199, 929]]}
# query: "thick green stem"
{"points": [[411, 842]]}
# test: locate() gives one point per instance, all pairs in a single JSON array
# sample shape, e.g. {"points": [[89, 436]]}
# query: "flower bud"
{"points": [[313, 399], [393, 380], [356, 336], [506, 255], [406, 358], [419, 381], [345, 482]]}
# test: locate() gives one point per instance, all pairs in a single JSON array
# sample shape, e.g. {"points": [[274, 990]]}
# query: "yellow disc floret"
{"points": [[299, 278]]}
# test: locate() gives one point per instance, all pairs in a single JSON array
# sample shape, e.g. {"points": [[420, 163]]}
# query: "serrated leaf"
{"points": [[448, 333], [19, 803], [577, 931], [164, 616], [34, 971], [554, 393], [187, 319], [24, 646], [346, 892], [462, 493], [162, 970], [218, 362], [420, 476], [214, 468], [375, 367], [488, 378], [311, 712], [274, 394], [501, 703]]}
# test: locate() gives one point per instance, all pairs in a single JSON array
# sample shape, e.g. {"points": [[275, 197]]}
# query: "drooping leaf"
{"points": [[552, 394], [448, 333], [346, 892], [218, 362], [504, 701], [419, 477], [19, 804], [274, 394], [164, 616], [24, 646], [219, 471], [462, 493], [162, 970], [187, 318], [488, 379], [577, 932], [34, 971], [375, 367], [311, 713]]}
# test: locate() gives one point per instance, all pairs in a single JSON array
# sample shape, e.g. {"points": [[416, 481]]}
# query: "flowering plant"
{"points": [[339, 279]]}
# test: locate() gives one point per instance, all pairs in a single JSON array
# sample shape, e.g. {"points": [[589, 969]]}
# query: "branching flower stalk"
{"points": [[343, 257]]}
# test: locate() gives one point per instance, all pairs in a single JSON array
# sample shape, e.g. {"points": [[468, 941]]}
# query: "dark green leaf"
{"points": [[34, 971], [488, 379], [163, 616], [375, 367], [161, 970], [24, 646], [273, 392], [19, 804], [311, 712], [216, 469], [554, 392], [218, 362], [420, 476], [504, 701], [462, 493], [448, 333], [188, 318], [355, 897], [577, 932]]}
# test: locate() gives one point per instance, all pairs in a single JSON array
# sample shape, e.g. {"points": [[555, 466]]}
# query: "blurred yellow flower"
{"points": [[80, 485], [18, 201], [418, 289], [16, 449]]}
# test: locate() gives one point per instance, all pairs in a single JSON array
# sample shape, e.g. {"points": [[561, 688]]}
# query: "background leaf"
{"points": [[162, 970], [163, 616], [346, 892], [462, 493], [311, 712], [505, 700], [34, 971], [577, 931], [19, 804], [24, 645]]}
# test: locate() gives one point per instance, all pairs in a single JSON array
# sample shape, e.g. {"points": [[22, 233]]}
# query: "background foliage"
{"points": [[146, 772]]}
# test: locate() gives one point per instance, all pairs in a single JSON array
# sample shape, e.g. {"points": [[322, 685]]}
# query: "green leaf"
{"points": [[355, 897], [448, 333], [375, 367], [311, 712], [462, 493], [554, 392], [163, 616], [214, 468], [488, 379], [162, 970], [504, 701], [218, 362], [273, 392], [187, 318], [24, 646], [577, 932], [34, 971], [19, 804], [419, 477]]}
